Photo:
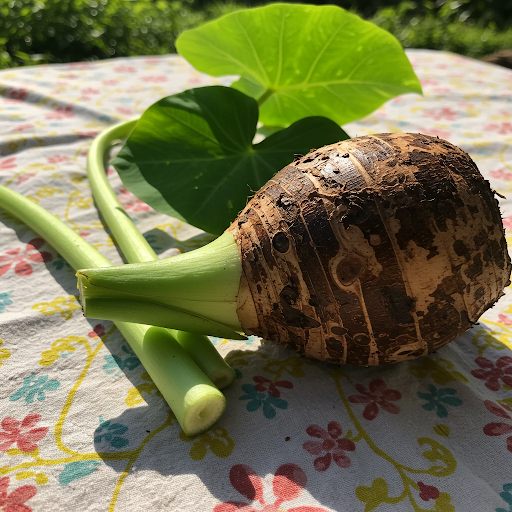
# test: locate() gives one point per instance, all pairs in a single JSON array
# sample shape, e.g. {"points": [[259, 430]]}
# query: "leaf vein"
{"points": [[253, 49]]}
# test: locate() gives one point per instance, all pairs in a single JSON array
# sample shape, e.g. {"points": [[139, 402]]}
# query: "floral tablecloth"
{"points": [[82, 426]]}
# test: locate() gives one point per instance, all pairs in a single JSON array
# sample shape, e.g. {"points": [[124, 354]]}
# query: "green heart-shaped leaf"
{"points": [[303, 60], [191, 155]]}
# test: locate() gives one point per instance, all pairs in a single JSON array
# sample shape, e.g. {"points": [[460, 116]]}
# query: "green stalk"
{"points": [[195, 401], [265, 96], [196, 291], [222, 375], [136, 249]]}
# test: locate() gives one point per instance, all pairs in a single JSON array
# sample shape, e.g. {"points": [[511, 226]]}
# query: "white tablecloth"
{"points": [[83, 428]]}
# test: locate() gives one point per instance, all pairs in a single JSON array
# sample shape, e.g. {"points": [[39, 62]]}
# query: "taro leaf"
{"points": [[191, 154], [304, 60]]}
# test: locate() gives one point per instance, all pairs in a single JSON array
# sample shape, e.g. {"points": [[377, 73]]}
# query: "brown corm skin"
{"points": [[372, 250]]}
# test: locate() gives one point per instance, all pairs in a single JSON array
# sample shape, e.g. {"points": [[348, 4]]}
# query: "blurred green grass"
{"points": [[50, 31]]}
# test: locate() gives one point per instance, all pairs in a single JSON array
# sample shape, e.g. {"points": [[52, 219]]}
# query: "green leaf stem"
{"points": [[195, 401], [136, 249]]}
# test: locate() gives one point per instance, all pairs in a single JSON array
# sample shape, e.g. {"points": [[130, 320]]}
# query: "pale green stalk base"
{"points": [[136, 249], [195, 401], [189, 392], [200, 348], [133, 244], [123, 310], [202, 284]]}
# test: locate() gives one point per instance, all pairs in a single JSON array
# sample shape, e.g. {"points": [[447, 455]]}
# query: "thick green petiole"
{"points": [[222, 375], [136, 249], [201, 285], [189, 393], [195, 401]]}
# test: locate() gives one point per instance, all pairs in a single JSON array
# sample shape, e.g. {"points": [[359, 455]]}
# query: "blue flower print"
{"points": [[115, 364], [257, 400], [507, 496], [34, 388], [5, 300], [78, 469], [217, 341], [437, 399], [111, 433], [152, 240], [59, 263]]}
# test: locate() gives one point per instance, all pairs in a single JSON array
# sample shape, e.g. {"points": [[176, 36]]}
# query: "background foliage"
{"points": [[40, 31]]}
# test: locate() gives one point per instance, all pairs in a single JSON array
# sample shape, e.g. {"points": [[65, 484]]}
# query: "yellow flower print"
{"points": [[63, 305]]}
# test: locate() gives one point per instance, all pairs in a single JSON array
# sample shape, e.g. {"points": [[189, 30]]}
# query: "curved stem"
{"points": [[71, 246], [134, 246], [195, 401], [265, 96], [137, 250]]}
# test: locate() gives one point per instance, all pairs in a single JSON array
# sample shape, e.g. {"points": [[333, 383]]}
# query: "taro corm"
{"points": [[369, 251]]}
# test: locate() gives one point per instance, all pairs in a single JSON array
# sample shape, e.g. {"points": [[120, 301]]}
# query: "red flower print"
{"points": [[331, 444], [21, 259], [504, 319], [130, 202], [8, 163], [79, 65], [97, 332], [428, 492], [23, 127], [438, 114], [492, 373], [501, 174], [86, 135], [57, 159], [262, 383], [155, 78], [23, 434], [61, 113], [440, 91], [90, 90], [15, 501], [125, 69], [24, 177], [428, 81], [377, 396], [109, 82], [507, 222], [17, 94], [498, 429], [288, 483], [501, 128], [125, 111]]}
